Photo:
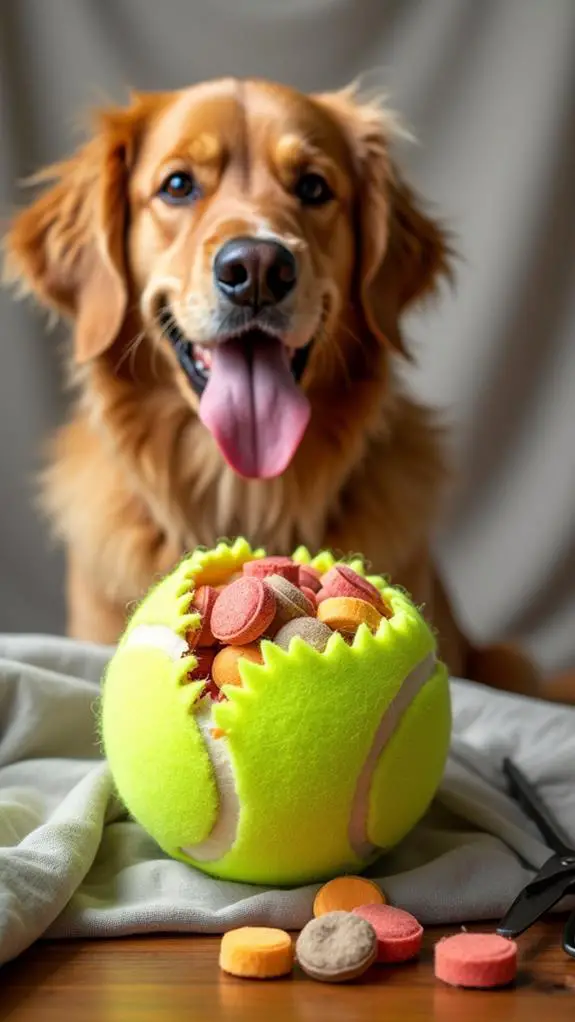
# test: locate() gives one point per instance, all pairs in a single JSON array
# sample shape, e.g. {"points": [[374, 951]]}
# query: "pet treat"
{"points": [[346, 893], [312, 631], [290, 601], [346, 613], [203, 601], [336, 947], [256, 952], [341, 580], [399, 934], [309, 577], [480, 960], [225, 668], [243, 611], [265, 566]]}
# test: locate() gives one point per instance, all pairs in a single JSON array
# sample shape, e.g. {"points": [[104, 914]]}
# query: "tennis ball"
{"points": [[316, 764]]}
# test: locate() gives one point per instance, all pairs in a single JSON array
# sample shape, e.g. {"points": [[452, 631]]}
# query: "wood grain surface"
{"points": [[177, 979]]}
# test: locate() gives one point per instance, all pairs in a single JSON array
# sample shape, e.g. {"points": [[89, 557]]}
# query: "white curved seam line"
{"points": [[223, 833], [158, 637], [410, 688]]}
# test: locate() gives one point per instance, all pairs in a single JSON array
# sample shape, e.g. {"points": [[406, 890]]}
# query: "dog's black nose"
{"points": [[253, 272]]}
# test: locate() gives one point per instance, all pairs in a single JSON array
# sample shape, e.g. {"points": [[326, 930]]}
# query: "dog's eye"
{"points": [[179, 188], [313, 190]]}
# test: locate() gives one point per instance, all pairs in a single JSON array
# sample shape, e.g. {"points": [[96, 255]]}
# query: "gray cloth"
{"points": [[488, 88], [73, 865]]}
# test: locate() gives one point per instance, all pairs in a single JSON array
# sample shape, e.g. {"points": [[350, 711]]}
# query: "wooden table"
{"points": [[176, 979]]}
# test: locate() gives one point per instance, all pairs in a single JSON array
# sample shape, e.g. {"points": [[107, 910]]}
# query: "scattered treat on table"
{"points": [[346, 613], [243, 611], [399, 934], [265, 566], [203, 602], [346, 893], [291, 602], [309, 577], [476, 960], [256, 952], [341, 580], [337, 947], [225, 667], [312, 631]]}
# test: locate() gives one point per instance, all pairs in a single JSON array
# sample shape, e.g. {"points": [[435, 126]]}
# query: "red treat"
{"points": [[309, 595], [243, 611], [203, 601], [283, 566], [479, 960], [341, 580], [309, 577], [205, 658], [211, 689], [398, 933]]}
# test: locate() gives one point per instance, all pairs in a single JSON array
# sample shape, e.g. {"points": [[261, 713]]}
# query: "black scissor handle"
{"points": [[569, 936]]}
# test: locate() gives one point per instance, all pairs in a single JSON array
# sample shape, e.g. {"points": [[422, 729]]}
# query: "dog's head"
{"points": [[264, 237]]}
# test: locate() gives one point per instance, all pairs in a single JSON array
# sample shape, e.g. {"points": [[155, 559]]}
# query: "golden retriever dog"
{"points": [[236, 258]]}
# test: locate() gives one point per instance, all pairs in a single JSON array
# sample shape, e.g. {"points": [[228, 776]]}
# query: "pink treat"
{"points": [[480, 960], [342, 580], [398, 933], [203, 601], [243, 611], [309, 577], [310, 595], [283, 566]]}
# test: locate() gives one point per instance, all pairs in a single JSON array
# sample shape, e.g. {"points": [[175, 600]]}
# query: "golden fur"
{"points": [[135, 478]]}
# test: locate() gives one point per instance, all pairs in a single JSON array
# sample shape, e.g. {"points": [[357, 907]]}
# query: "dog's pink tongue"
{"points": [[253, 406]]}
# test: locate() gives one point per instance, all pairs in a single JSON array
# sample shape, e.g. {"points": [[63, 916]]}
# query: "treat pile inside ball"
{"points": [[276, 599]]}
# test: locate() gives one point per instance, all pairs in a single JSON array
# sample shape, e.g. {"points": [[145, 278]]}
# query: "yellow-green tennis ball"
{"points": [[316, 764]]}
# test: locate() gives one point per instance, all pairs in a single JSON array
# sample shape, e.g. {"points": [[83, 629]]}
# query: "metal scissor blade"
{"points": [[531, 904]]}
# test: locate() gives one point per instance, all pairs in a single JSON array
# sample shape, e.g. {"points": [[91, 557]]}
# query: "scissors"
{"points": [[555, 878]]}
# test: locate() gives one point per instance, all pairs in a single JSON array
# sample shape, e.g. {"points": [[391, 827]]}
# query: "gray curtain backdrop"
{"points": [[488, 86]]}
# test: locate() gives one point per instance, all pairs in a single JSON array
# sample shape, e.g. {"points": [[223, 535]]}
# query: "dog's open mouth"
{"points": [[196, 359], [249, 396]]}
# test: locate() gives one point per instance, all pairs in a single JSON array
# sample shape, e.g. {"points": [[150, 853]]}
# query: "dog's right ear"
{"points": [[68, 246]]}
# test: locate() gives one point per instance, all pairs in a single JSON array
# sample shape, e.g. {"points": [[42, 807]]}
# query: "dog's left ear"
{"points": [[402, 252], [68, 246]]}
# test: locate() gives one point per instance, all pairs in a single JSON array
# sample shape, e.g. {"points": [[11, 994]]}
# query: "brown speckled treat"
{"points": [[312, 631], [290, 601], [336, 947]]}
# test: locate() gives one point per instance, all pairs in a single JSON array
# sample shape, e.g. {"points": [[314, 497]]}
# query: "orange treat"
{"points": [[243, 611], [203, 602], [346, 893], [346, 614], [341, 580], [309, 577], [290, 602], [226, 669], [256, 952]]}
